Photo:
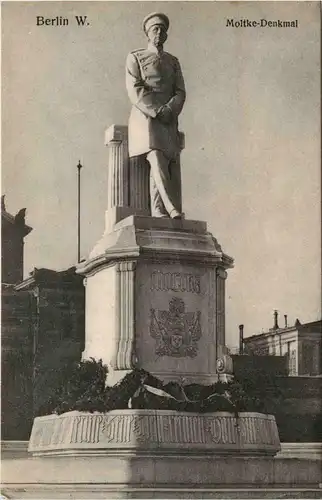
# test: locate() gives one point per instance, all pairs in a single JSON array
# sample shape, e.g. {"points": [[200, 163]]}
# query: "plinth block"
{"points": [[123, 431]]}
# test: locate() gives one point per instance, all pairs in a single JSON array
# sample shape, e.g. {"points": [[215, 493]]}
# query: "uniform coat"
{"points": [[154, 80]]}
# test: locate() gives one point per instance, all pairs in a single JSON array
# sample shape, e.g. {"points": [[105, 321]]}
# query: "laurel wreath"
{"points": [[82, 386]]}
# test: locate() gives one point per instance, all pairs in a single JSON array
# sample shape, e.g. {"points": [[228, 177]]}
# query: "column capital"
{"points": [[115, 133], [126, 266]]}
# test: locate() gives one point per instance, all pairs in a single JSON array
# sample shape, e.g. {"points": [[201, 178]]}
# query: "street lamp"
{"points": [[79, 166]]}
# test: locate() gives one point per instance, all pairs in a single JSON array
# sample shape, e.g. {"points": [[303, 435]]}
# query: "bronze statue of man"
{"points": [[156, 90]]}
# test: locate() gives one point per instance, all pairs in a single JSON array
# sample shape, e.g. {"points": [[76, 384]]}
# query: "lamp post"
{"points": [[79, 166]]}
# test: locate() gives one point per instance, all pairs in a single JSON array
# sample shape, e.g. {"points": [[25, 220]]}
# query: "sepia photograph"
{"points": [[161, 318]]}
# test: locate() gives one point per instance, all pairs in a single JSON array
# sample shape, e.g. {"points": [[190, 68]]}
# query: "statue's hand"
{"points": [[165, 115]]}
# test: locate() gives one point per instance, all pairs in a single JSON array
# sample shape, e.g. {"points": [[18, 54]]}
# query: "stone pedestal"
{"points": [[155, 288], [155, 299]]}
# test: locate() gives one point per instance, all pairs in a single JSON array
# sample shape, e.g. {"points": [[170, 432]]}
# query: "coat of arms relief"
{"points": [[176, 331]]}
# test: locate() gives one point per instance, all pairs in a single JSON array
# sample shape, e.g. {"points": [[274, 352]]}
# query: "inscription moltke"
{"points": [[175, 282]]}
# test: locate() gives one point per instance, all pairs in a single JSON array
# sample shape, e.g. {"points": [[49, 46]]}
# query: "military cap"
{"points": [[155, 18]]}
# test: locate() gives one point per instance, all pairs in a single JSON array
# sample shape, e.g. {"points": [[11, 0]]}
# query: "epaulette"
{"points": [[136, 50]]}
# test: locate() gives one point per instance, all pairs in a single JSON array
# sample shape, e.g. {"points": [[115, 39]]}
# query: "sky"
{"points": [[251, 165]]}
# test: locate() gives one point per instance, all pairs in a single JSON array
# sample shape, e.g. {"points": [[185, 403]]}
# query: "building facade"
{"points": [[43, 326], [301, 343], [13, 231]]}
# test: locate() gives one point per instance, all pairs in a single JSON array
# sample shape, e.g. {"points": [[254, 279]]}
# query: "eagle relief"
{"points": [[176, 331]]}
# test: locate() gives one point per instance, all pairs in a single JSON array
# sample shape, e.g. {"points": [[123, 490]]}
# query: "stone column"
{"points": [[221, 276], [176, 172], [129, 179], [139, 172], [118, 176]]}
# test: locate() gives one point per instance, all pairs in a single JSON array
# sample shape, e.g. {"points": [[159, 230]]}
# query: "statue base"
{"points": [[160, 431], [157, 454], [155, 299]]}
